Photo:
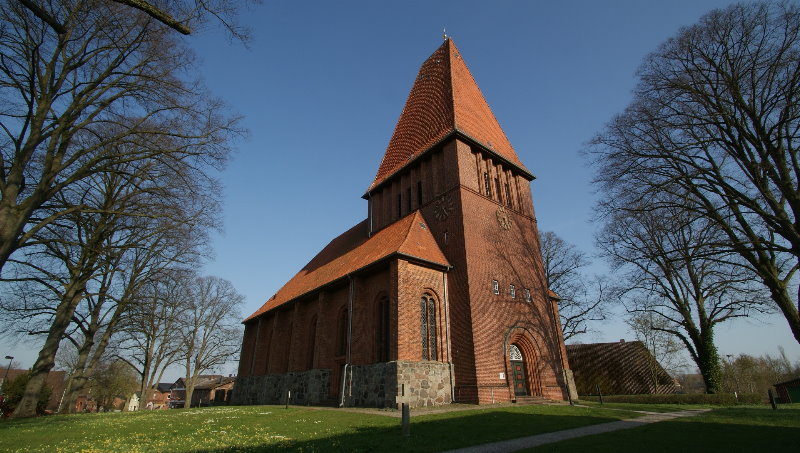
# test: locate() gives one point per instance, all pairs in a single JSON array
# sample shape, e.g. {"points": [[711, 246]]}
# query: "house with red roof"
{"points": [[439, 294]]}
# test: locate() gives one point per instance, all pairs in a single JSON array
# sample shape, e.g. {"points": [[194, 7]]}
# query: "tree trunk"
{"points": [[708, 362], [189, 392], [10, 230], [780, 295], [47, 355]]}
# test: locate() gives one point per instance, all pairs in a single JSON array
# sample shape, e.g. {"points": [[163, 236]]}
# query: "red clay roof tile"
{"points": [[353, 250], [443, 100]]}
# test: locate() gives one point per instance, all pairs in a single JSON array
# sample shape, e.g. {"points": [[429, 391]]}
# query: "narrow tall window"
{"points": [[487, 185], [408, 198], [399, 206], [495, 287], [432, 328], [419, 194], [512, 291], [423, 326], [341, 347], [508, 196], [527, 295], [499, 192], [382, 335], [427, 325]]}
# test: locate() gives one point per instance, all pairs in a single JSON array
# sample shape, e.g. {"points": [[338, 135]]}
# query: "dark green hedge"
{"points": [[718, 399]]}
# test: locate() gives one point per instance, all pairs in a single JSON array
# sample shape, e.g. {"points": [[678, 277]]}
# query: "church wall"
{"points": [[248, 344], [444, 217], [306, 387], [414, 281], [431, 172], [480, 252], [368, 289], [376, 385], [304, 313], [264, 330], [280, 341], [511, 257], [329, 357]]}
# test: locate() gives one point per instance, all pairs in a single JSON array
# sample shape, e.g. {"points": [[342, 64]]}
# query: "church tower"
{"points": [[440, 291], [450, 159]]}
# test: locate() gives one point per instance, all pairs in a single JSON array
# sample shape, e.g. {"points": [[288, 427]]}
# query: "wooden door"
{"points": [[520, 379]]}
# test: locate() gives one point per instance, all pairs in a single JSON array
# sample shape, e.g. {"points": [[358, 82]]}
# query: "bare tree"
{"points": [[715, 122], [132, 218], [102, 323], [582, 298], [664, 347], [211, 333], [112, 89], [673, 274], [151, 338], [748, 374], [176, 14], [107, 98]]}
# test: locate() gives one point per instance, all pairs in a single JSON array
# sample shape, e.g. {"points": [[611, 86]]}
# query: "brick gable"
{"points": [[354, 250]]}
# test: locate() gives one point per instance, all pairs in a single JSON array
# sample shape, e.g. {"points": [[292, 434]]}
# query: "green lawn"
{"points": [[646, 407], [273, 428], [257, 428], [728, 429]]}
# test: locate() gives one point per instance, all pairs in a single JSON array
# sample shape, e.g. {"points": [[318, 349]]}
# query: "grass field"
{"points": [[273, 428], [264, 428], [727, 429]]}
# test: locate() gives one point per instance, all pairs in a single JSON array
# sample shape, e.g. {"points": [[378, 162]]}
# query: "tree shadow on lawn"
{"points": [[429, 433], [724, 430]]}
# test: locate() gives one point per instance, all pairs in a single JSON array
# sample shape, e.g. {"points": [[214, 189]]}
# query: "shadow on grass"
{"points": [[431, 434], [723, 430]]}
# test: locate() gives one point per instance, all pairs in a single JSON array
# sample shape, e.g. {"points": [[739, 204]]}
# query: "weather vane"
{"points": [[444, 34]]}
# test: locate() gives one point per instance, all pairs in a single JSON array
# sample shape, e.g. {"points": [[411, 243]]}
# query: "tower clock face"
{"points": [[443, 207], [503, 218]]}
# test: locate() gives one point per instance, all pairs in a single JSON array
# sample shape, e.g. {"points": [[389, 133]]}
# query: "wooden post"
{"points": [[288, 396], [599, 393], [772, 399]]}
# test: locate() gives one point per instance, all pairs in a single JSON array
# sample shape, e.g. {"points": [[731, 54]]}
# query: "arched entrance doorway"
{"points": [[518, 374]]}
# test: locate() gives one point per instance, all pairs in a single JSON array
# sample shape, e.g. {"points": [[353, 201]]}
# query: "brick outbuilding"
{"points": [[440, 291]]}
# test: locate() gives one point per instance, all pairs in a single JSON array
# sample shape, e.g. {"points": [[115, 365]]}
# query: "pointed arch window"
{"points": [[427, 322]]}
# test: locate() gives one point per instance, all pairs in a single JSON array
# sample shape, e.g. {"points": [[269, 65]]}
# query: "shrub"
{"points": [[717, 399], [14, 388]]}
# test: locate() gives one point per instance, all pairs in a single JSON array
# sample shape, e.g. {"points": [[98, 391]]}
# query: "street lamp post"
{"points": [[735, 377], [9, 358]]}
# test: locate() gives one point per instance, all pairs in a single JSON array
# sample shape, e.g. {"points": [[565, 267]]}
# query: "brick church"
{"points": [[440, 291]]}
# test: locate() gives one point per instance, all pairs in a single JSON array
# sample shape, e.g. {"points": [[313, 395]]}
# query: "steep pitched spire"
{"points": [[444, 99]]}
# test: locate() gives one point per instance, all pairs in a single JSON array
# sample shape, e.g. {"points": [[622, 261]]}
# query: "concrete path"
{"points": [[557, 436]]}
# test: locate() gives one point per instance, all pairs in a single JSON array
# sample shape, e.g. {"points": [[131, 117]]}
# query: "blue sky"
{"points": [[323, 83]]}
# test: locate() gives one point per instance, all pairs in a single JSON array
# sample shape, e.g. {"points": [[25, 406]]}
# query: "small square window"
{"points": [[527, 295], [495, 287], [512, 290]]}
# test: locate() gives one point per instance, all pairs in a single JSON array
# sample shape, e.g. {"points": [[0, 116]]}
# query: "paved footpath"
{"points": [[557, 436]]}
